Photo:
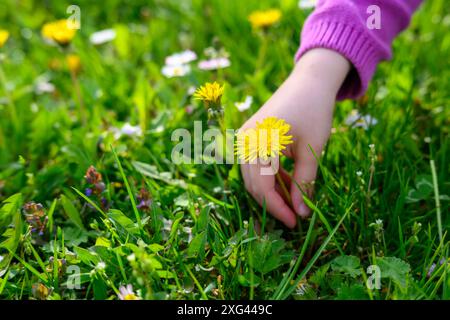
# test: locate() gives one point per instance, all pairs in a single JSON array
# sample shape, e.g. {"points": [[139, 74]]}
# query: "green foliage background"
{"points": [[212, 249]]}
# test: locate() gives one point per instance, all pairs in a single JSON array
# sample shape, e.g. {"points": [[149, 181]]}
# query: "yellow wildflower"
{"points": [[40, 291], [210, 93], [267, 140], [4, 35], [59, 31], [73, 62], [264, 19]]}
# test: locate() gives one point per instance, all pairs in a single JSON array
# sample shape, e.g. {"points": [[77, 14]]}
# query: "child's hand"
{"points": [[305, 101]]}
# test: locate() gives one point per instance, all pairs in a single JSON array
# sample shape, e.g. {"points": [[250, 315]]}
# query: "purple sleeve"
{"points": [[341, 25]]}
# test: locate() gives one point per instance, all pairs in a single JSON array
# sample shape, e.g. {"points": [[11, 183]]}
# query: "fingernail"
{"points": [[303, 210]]}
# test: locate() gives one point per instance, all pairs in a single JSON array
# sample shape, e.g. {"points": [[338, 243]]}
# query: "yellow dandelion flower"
{"points": [[264, 19], [210, 93], [59, 31], [73, 62], [4, 35], [267, 140]]}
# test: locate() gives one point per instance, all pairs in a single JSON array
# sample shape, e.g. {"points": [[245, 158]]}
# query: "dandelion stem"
{"points": [[284, 188], [262, 53], [12, 107], [76, 85]]}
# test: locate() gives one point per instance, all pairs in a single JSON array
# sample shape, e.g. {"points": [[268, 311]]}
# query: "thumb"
{"points": [[305, 171]]}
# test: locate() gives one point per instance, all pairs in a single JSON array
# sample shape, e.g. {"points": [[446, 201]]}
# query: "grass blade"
{"points": [[315, 257]]}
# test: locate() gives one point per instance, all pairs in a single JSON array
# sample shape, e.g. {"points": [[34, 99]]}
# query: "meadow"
{"points": [[93, 207]]}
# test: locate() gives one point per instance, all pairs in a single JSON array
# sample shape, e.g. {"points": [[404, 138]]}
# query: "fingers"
{"points": [[305, 171], [279, 209], [263, 187], [285, 176]]}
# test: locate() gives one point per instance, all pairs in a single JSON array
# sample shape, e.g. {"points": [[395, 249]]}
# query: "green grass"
{"points": [[200, 238]]}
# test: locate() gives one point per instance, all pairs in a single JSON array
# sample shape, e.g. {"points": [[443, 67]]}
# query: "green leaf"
{"points": [[349, 265], [165, 274], [153, 262], [203, 218], [4, 281], [118, 217], [182, 201], [74, 236], [174, 229], [72, 212], [122, 40], [152, 172], [395, 269], [249, 280], [12, 235], [269, 253], [354, 291], [100, 289], [102, 242], [9, 208], [50, 216], [422, 191], [154, 247], [87, 257], [197, 246]]}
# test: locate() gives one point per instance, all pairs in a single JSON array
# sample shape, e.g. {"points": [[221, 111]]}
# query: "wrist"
{"points": [[322, 67]]}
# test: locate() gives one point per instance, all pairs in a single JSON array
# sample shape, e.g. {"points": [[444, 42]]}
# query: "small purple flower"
{"points": [[104, 203], [144, 204], [88, 192], [141, 204], [144, 199], [431, 270]]}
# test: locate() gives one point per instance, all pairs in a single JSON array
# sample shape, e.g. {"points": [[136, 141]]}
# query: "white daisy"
{"points": [[127, 293], [176, 70], [130, 130], [181, 58], [102, 36], [44, 87], [214, 64], [356, 120], [245, 105]]}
